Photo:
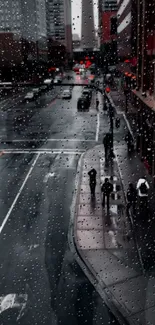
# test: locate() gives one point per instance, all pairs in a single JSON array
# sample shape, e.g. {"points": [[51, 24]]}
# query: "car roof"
{"points": [[86, 89], [66, 91], [82, 98]]}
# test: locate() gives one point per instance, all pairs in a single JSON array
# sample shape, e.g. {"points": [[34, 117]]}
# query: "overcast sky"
{"points": [[76, 16]]}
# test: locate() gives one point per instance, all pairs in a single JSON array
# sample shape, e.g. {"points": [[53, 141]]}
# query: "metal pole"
{"points": [[112, 126], [126, 103], [111, 116]]}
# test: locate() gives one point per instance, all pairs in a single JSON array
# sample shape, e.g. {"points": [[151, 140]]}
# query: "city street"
{"points": [[41, 144], [77, 162]]}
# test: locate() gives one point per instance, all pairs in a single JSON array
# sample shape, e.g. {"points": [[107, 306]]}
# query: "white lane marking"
{"points": [[50, 140], [49, 175], [97, 127], [44, 151], [18, 194], [58, 156]]}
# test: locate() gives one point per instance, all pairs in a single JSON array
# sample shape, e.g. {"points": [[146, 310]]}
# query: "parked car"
{"points": [[43, 88], [36, 91], [67, 94], [83, 104], [87, 90], [29, 96], [58, 80], [87, 93], [48, 82]]}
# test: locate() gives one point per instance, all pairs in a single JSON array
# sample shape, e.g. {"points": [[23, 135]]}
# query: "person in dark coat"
{"points": [[97, 103], [92, 180], [107, 142], [106, 189]]}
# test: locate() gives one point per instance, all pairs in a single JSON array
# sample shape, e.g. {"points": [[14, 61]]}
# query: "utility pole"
{"points": [[111, 117], [126, 93]]}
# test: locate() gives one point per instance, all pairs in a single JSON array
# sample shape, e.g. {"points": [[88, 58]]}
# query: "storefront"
{"points": [[145, 137]]}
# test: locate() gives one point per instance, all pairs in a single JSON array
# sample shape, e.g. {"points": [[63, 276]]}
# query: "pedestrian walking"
{"points": [[129, 142], [92, 180], [142, 188], [106, 189], [107, 142], [97, 103], [131, 197]]}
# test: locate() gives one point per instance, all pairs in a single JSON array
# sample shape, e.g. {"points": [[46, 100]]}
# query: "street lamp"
{"points": [[111, 116], [126, 93]]}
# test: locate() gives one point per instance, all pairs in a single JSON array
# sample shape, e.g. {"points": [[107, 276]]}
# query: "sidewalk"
{"points": [[118, 98], [106, 245], [131, 169]]}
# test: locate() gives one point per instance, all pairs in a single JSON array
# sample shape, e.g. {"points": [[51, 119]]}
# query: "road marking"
{"points": [[49, 175], [18, 194], [44, 151], [50, 139], [97, 127]]}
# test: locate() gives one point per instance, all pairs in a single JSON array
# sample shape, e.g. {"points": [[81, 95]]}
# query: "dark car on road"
{"points": [[43, 88], [83, 104], [87, 93]]}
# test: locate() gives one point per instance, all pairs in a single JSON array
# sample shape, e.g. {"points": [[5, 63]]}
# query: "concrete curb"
{"points": [[104, 293], [120, 113]]}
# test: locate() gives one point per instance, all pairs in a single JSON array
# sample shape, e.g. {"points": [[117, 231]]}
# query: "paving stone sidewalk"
{"points": [[105, 243]]}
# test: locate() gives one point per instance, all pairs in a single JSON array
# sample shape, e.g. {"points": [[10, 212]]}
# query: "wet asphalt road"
{"points": [[43, 142]]}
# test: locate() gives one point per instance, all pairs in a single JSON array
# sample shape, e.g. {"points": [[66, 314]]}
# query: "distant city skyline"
{"points": [[76, 16]]}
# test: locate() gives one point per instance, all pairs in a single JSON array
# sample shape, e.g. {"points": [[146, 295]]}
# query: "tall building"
{"points": [[144, 93], [59, 22], [88, 41], [23, 23], [108, 28], [127, 35], [136, 50], [76, 41]]}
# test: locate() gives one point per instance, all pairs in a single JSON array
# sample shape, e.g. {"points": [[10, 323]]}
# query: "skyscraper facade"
{"points": [[23, 26], [59, 22], [26, 18], [108, 30], [88, 41], [108, 13]]}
